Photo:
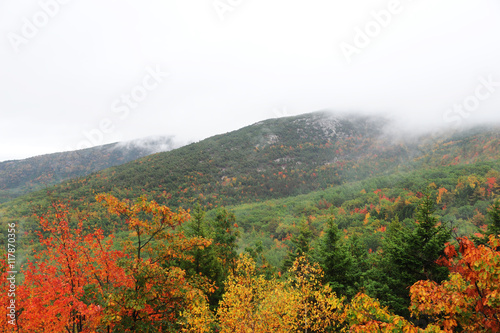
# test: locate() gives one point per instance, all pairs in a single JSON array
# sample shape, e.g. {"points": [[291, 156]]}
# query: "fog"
{"points": [[80, 73]]}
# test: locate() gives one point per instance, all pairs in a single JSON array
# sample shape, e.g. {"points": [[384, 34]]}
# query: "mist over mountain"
{"points": [[18, 177], [275, 158]]}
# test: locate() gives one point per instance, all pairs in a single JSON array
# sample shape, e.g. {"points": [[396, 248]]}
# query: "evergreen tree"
{"points": [[493, 224], [218, 260], [225, 238], [410, 256], [197, 227], [205, 261], [494, 219], [301, 243], [336, 261], [359, 255], [262, 265]]}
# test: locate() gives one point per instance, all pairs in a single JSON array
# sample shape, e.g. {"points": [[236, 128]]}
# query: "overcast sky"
{"points": [[75, 73]]}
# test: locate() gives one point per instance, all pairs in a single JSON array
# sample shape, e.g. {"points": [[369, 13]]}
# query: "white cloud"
{"points": [[227, 74]]}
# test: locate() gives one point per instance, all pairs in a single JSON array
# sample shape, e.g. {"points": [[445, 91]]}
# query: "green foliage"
{"points": [[205, 261], [225, 238], [494, 219], [28, 175], [301, 244], [336, 261], [492, 224], [410, 255]]}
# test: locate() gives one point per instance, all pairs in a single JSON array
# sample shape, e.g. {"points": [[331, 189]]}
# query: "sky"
{"points": [[79, 73]]}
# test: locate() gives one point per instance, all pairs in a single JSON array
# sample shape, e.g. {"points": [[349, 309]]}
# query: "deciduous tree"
{"points": [[469, 300]]}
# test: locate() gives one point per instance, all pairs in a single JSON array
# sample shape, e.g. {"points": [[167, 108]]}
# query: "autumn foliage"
{"points": [[470, 299], [79, 282], [300, 303]]}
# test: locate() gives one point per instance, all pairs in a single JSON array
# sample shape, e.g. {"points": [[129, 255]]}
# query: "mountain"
{"points": [[339, 189], [278, 173], [273, 158], [23, 176], [279, 158]]}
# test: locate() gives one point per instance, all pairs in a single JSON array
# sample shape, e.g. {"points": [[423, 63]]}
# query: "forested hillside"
{"points": [[317, 223], [280, 158], [23, 176]]}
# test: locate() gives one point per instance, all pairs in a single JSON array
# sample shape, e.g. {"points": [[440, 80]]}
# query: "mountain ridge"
{"points": [[282, 157], [18, 177]]}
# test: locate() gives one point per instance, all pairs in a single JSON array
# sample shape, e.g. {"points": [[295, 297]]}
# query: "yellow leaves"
{"points": [[441, 191], [306, 274], [159, 217], [155, 285], [494, 242], [113, 205], [254, 304], [198, 318], [240, 311], [364, 314], [367, 219], [493, 299], [473, 181]]}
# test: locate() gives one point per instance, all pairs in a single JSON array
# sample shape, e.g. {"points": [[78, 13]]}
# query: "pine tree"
{"points": [[493, 225], [225, 238], [336, 261], [205, 261], [410, 256], [302, 244], [494, 219]]}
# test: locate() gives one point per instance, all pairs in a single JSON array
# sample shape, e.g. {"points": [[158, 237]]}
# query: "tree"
{"points": [[318, 307], [493, 226], [253, 303], [64, 287], [301, 243], [494, 219], [336, 262], [469, 300], [79, 282], [365, 314], [429, 240], [157, 291], [410, 256], [205, 262], [225, 236]]}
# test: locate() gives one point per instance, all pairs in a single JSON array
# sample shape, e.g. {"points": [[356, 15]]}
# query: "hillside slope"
{"points": [[279, 158], [320, 155], [23, 176], [273, 158]]}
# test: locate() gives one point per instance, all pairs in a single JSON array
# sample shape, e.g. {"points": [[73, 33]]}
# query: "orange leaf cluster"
{"points": [[470, 299]]}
